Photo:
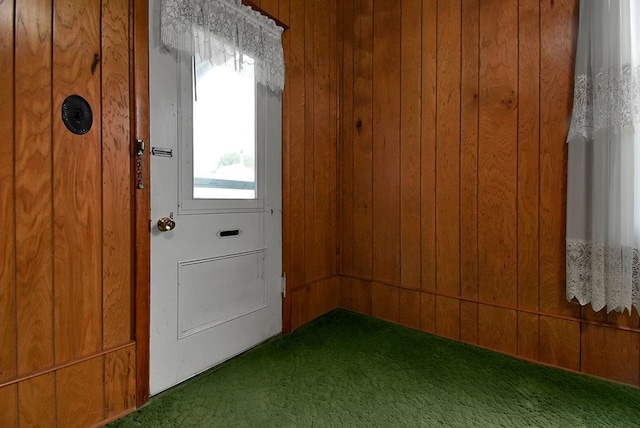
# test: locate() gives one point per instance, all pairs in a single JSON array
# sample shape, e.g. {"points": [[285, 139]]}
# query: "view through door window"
{"points": [[224, 135]]}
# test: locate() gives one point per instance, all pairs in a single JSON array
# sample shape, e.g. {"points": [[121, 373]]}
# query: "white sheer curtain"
{"points": [[603, 181], [218, 30]]}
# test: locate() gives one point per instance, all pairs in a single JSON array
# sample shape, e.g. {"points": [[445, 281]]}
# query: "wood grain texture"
{"points": [[8, 338], [528, 337], [409, 308], [347, 130], [557, 41], [385, 302], [447, 203], [311, 268], [142, 203], [323, 178], [610, 353], [117, 229], [428, 312], [386, 142], [469, 152], [447, 317], [120, 381], [560, 342], [77, 234], [9, 402], [313, 300], [33, 173], [497, 329], [295, 216], [80, 389], [356, 295], [37, 401], [428, 143], [410, 143], [469, 322], [497, 152], [362, 138], [528, 152]]}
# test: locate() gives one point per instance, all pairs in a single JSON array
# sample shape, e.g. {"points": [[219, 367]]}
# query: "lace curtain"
{"points": [[603, 177], [219, 30]]}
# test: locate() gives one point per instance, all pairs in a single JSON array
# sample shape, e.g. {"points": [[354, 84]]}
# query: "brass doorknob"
{"points": [[166, 224]]}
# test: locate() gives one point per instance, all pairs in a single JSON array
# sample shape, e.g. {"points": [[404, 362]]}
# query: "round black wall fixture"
{"points": [[77, 115]]}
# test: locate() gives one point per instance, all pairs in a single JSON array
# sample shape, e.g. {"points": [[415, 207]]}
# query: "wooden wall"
{"points": [[453, 119], [310, 135], [67, 354]]}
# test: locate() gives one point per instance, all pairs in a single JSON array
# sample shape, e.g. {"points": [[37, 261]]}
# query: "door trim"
{"points": [[142, 203]]}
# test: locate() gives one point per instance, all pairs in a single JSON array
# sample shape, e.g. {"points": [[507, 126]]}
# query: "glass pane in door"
{"points": [[224, 131]]}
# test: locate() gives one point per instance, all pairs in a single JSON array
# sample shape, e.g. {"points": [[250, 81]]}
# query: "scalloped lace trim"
{"points": [[603, 276], [217, 30], [608, 101]]}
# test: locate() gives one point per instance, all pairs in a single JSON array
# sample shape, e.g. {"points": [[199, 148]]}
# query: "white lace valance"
{"points": [[217, 30]]}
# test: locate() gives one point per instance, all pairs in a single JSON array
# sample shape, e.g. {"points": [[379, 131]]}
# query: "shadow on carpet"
{"points": [[349, 370]]}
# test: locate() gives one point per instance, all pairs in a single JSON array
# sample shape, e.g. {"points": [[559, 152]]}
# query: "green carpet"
{"points": [[348, 370]]}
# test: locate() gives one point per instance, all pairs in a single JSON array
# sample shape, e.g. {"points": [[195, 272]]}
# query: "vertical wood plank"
{"points": [[386, 142], [362, 139], [497, 329], [335, 60], [428, 313], [528, 342], [447, 317], [410, 141], [324, 148], [34, 209], [610, 353], [346, 293], [37, 401], [560, 342], [8, 367], [557, 47], [385, 302], [9, 403], [469, 322], [116, 175], [77, 181], [409, 308], [497, 153], [362, 296], [469, 151], [528, 152], [347, 124], [311, 252], [428, 143], [286, 171], [271, 7], [120, 381], [299, 307], [447, 203], [296, 86], [80, 390]]}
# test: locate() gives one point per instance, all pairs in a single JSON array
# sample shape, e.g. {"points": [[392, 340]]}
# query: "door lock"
{"points": [[166, 224]]}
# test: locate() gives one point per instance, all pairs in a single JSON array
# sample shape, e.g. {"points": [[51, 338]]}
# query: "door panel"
{"points": [[215, 278], [66, 260]]}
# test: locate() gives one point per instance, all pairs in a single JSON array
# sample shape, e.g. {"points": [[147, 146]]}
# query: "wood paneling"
{"points": [[80, 393], [61, 315], [314, 300], [117, 227], [447, 160], [485, 87], [8, 338], [9, 406], [120, 381], [37, 401], [33, 172], [410, 142], [77, 225]]}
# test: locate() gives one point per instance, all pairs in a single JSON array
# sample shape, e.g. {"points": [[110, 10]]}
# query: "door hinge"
{"points": [[284, 285]]}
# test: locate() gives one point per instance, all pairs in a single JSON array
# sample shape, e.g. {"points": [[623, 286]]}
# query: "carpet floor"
{"points": [[349, 370]]}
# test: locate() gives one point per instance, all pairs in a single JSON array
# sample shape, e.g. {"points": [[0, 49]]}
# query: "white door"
{"points": [[215, 277]]}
